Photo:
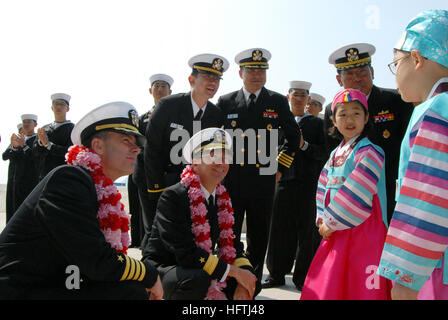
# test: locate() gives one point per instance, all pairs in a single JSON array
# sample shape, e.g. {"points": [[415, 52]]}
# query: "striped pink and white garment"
{"points": [[351, 197], [418, 234]]}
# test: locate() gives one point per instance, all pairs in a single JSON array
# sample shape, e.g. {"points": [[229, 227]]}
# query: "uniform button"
{"points": [[258, 151], [258, 136], [243, 150], [257, 165], [242, 164]]}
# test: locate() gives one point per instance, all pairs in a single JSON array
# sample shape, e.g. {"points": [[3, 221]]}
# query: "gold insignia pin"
{"points": [[352, 54], [269, 127], [233, 123], [120, 258], [386, 134], [257, 55], [217, 64], [134, 117], [201, 260]]}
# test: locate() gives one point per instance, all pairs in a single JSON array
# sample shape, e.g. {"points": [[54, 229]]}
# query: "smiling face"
{"points": [[212, 167], [118, 153], [350, 119], [204, 85]]}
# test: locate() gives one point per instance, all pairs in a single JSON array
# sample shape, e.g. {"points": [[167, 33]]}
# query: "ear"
{"points": [[417, 59], [288, 97], [339, 79], [191, 80], [372, 72], [240, 72], [150, 90], [334, 121], [98, 146], [367, 118]]}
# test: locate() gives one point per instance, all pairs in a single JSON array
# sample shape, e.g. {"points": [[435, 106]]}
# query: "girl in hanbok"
{"points": [[351, 211], [415, 254]]}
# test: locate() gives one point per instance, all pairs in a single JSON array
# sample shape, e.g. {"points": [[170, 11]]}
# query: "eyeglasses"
{"points": [[393, 65], [210, 77], [361, 73]]}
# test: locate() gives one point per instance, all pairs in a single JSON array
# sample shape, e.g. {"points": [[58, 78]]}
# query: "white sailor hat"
{"points": [[255, 58], [352, 56], [209, 63], [317, 97], [119, 116], [300, 85], [61, 96], [207, 140], [29, 117], [161, 77]]}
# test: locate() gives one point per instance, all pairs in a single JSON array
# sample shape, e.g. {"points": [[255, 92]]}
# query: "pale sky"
{"points": [[102, 51]]}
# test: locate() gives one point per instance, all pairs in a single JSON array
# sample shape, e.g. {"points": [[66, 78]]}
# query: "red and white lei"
{"points": [[113, 219], [201, 226]]}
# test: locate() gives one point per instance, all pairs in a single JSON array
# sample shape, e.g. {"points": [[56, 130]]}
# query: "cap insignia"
{"points": [[257, 55], [352, 54], [134, 117], [217, 64]]}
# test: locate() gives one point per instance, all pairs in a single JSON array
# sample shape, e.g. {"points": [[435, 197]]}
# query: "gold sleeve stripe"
{"points": [[143, 272], [211, 264], [138, 268], [287, 165], [156, 190], [134, 270], [240, 262], [126, 270], [284, 155], [284, 160]]}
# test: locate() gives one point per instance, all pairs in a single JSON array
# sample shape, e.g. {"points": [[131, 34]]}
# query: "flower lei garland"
{"points": [[113, 219], [201, 226]]}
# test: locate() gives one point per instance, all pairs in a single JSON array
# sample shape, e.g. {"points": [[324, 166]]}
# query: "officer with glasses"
{"points": [[388, 113]]}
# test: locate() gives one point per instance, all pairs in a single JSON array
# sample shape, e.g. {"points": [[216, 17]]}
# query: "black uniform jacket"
{"points": [[25, 175], [271, 112], [172, 240], [56, 227], [172, 113], [50, 159], [139, 176], [309, 163]]}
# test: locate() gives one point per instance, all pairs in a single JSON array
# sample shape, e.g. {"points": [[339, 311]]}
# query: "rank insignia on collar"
{"points": [[257, 55], [134, 117], [352, 54]]}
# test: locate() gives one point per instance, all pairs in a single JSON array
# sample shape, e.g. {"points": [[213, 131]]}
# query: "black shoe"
{"points": [[273, 283]]}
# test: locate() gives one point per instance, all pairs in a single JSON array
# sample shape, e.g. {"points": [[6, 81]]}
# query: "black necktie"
{"points": [[211, 200], [198, 115], [252, 98]]}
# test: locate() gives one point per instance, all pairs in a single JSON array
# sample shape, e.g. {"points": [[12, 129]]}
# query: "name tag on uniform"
{"points": [[176, 126], [232, 116]]}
